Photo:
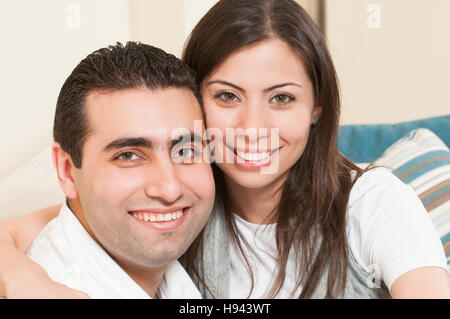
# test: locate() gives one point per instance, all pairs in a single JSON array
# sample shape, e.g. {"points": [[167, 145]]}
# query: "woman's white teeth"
{"points": [[158, 217], [253, 156]]}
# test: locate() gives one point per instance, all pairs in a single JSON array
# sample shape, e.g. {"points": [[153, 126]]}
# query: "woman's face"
{"points": [[259, 89]]}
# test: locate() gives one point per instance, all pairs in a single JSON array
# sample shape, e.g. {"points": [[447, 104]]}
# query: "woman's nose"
{"points": [[253, 122]]}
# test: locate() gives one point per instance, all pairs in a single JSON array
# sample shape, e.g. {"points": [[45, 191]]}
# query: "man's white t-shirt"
{"points": [[387, 226], [72, 257]]}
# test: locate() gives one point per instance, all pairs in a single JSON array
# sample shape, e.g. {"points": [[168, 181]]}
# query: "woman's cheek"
{"points": [[220, 117], [210, 113], [295, 125]]}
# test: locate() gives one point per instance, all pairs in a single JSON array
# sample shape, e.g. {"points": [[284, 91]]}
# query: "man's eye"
{"points": [[128, 156], [227, 97], [186, 152], [281, 99], [185, 155]]}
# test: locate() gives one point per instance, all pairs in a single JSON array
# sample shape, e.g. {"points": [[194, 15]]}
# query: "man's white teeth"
{"points": [[253, 156], [158, 217]]}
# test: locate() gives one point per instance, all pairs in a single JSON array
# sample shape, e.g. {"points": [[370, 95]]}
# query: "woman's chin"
{"points": [[253, 179]]}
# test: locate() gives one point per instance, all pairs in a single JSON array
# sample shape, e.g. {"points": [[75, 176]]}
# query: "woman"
{"points": [[317, 226]]}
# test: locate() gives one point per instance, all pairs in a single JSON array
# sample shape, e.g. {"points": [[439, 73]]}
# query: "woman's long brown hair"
{"points": [[311, 213]]}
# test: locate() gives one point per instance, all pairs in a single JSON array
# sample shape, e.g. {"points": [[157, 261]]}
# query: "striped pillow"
{"points": [[422, 160]]}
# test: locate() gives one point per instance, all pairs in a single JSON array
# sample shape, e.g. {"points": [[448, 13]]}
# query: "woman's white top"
{"points": [[389, 233]]}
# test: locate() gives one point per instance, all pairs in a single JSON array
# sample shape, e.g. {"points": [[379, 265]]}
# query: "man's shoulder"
{"points": [[51, 247], [47, 239]]}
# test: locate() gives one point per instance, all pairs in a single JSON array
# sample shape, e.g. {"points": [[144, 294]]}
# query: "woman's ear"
{"points": [[317, 111], [64, 168], [316, 115]]}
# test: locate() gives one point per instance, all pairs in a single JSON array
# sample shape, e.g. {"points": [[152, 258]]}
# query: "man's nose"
{"points": [[163, 182]]}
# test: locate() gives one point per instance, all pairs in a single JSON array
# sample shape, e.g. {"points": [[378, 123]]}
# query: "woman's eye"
{"points": [[228, 97], [282, 99], [128, 156]]}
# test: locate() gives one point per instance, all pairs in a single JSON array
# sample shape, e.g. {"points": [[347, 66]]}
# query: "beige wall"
{"points": [[159, 23], [397, 72], [313, 7], [42, 41]]}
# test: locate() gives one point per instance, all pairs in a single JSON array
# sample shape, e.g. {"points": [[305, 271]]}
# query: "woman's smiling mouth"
{"points": [[253, 160]]}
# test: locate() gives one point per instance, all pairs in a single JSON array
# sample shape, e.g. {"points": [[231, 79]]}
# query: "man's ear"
{"points": [[64, 168]]}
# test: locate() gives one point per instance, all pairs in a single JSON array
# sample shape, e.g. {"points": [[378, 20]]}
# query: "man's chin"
{"points": [[162, 259]]}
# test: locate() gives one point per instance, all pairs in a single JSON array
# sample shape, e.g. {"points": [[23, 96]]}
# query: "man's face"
{"points": [[137, 202]]}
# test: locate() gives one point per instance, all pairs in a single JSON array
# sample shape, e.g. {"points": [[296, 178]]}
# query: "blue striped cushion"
{"points": [[364, 143], [422, 160]]}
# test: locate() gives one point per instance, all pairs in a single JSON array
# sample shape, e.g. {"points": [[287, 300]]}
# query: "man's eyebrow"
{"points": [[127, 142], [226, 83], [190, 137], [281, 85]]}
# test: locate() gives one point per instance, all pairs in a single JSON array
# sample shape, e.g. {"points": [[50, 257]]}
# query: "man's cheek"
{"points": [[200, 181], [118, 183]]}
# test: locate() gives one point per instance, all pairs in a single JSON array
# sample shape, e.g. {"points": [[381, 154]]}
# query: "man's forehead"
{"points": [[157, 99], [141, 112]]}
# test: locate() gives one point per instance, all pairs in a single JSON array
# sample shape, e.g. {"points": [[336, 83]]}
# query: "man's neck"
{"points": [[148, 278]]}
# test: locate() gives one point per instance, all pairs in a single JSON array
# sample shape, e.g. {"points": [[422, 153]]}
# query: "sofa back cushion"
{"points": [[422, 160], [366, 143]]}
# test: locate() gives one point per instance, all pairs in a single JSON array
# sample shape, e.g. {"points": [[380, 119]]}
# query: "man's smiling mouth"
{"points": [[150, 217], [159, 216]]}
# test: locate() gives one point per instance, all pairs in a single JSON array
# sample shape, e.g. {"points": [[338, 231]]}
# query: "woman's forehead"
{"points": [[270, 60]]}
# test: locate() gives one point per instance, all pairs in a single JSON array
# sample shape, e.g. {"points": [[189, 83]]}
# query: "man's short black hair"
{"points": [[113, 68]]}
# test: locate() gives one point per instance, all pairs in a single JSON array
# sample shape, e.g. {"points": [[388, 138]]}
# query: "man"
{"points": [[136, 198]]}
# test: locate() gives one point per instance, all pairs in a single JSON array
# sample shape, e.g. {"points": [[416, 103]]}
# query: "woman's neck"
{"points": [[254, 205]]}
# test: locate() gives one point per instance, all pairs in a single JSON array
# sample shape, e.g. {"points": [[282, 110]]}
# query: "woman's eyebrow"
{"points": [[281, 85], [226, 83], [265, 90]]}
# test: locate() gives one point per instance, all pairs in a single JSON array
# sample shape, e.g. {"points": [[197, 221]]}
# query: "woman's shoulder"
{"points": [[377, 184], [379, 199], [389, 227]]}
